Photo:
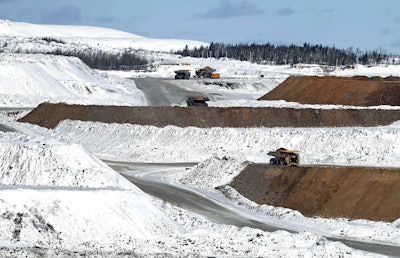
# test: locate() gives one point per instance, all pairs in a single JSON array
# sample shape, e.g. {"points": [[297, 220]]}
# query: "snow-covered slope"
{"points": [[84, 207], [54, 165], [58, 195], [71, 218], [214, 172], [225, 150], [347, 146], [93, 36], [28, 80], [22, 29]]}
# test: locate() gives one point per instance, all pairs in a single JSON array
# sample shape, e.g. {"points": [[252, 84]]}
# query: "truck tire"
{"points": [[273, 162]]}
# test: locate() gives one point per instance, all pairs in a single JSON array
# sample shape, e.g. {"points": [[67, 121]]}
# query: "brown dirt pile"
{"points": [[355, 91], [338, 192], [49, 115]]}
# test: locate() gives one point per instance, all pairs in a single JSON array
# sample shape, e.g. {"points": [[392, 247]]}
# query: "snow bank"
{"points": [[213, 172], [376, 146], [61, 165], [28, 80], [253, 243], [201, 238], [77, 218], [58, 196]]}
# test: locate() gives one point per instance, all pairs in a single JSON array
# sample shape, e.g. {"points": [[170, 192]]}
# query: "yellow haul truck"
{"points": [[284, 157]]}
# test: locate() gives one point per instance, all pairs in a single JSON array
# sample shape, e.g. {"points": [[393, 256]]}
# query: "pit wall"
{"points": [[49, 115], [326, 191], [354, 91]]}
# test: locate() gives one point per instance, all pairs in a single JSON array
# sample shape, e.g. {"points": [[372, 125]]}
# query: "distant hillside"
{"points": [[95, 37]]}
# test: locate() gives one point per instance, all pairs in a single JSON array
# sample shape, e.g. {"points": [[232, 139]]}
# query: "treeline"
{"points": [[98, 59], [108, 61], [287, 54]]}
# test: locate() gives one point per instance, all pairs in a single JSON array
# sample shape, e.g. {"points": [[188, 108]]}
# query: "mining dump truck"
{"points": [[197, 101], [182, 74], [284, 157], [207, 72]]}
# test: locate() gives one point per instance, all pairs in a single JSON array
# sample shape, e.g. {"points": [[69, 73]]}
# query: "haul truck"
{"points": [[284, 157]]}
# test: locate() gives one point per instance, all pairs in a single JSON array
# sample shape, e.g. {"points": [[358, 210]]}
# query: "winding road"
{"points": [[5, 128], [149, 178]]}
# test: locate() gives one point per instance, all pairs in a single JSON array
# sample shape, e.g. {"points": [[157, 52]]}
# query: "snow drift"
{"points": [[213, 172], [57, 195], [28, 80], [77, 218], [49, 164], [367, 146]]}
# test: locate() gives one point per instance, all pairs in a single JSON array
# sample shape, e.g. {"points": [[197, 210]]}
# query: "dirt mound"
{"points": [[355, 91], [49, 115], [349, 192]]}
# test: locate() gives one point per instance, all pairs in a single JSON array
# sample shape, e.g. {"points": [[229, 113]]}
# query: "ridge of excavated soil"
{"points": [[354, 91], [326, 191], [49, 115]]}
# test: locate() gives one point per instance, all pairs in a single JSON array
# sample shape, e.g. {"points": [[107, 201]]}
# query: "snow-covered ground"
{"points": [[84, 36], [57, 195], [370, 146], [28, 80], [223, 153]]}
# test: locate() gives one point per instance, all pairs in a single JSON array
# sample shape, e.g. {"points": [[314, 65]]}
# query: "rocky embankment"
{"points": [[49, 115], [326, 191], [354, 91]]}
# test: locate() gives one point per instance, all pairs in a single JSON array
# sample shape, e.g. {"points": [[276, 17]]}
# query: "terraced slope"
{"points": [[327, 191], [49, 115], [355, 91]]}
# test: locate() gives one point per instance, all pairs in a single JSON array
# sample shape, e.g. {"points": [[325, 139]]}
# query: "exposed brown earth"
{"points": [[49, 115], [355, 91], [334, 192]]}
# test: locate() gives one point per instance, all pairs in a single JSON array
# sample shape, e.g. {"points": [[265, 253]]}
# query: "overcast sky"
{"points": [[368, 25]]}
